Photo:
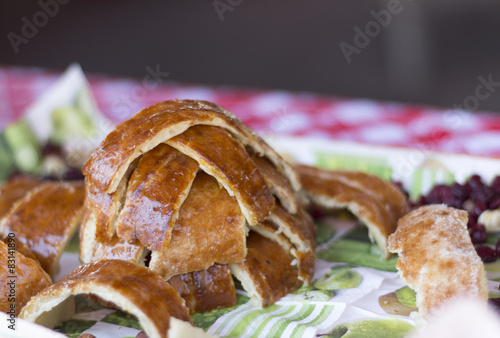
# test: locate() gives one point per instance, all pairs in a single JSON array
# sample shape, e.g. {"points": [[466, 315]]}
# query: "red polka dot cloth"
{"points": [[278, 112]]}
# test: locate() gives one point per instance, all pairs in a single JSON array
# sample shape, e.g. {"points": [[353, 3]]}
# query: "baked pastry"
{"points": [[177, 188], [210, 229], [206, 290], [378, 204], [129, 287], [22, 277], [12, 190], [162, 121], [45, 219], [267, 272], [437, 258]]}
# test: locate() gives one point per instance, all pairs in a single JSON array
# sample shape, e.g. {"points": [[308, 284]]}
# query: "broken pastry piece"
{"points": [[206, 290], [437, 258], [45, 220], [21, 276], [177, 188], [267, 273], [378, 204], [129, 287]]}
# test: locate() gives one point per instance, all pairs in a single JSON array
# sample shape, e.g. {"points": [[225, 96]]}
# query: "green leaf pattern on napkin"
{"points": [[372, 328], [406, 296]]}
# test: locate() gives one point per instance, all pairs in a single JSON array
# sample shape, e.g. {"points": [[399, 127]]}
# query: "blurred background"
{"points": [[427, 52]]}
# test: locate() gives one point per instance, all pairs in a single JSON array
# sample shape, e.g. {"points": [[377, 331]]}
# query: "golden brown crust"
{"points": [[301, 231], [270, 230], [34, 222], [13, 190], [210, 229], [436, 256], [22, 277], [299, 228], [221, 156], [105, 207], [132, 288], [156, 190], [279, 184], [211, 225], [22, 249], [95, 249], [267, 272], [378, 204], [155, 124], [206, 290]]}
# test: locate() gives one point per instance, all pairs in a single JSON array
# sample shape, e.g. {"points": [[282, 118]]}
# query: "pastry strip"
{"points": [[279, 184], [206, 290], [267, 273], [156, 190], [376, 203], [131, 288], [46, 219], [160, 122], [21, 282], [94, 249], [301, 231], [15, 189], [221, 156], [106, 207], [210, 229]]}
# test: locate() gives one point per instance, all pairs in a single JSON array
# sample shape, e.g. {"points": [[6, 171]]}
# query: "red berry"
{"points": [[479, 207], [486, 253], [460, 192], [472, 221], [495, 203], [496, 184], [316, 213], [495, 304], [477, 234], [474, 182], [483, 194]]}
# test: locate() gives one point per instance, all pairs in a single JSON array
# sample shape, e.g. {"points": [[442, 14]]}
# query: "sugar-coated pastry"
{"points": [[437, 258]]}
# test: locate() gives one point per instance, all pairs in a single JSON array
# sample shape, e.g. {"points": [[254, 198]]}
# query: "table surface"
{"points": [[278, 112]]}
